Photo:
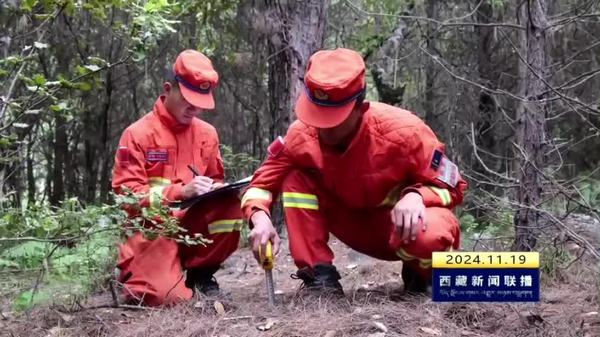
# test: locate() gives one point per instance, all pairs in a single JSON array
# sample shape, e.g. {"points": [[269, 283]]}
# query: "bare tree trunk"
{"points": [[486, 129], [384, 67], [430, 72], [300, 31], [531, 119], [30, 176], [48, 176], [2, 178], [384, 64], [105, 169], [487, 105], [91, 171], [60, 153], [72, 183]]}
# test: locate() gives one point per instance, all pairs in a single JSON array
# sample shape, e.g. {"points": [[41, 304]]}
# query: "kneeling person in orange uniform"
{"points": [[373, 175], [152, 159]]}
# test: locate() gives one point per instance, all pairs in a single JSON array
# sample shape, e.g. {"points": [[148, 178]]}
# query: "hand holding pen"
{"points": [[198, 186]]}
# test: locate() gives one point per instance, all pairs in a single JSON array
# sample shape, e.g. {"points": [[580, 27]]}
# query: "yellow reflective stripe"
{"points": [[392, 197], [425, 263], [300, 205], [404, 255], [300, 200], [156, 196], [443, 193], [159, 181], [225, 226], [387, 202], [299, 195], [256, 193]]}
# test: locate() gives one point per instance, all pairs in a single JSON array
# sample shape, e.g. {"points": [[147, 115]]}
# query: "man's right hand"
{"points": [[198, 186], [262, 233]]}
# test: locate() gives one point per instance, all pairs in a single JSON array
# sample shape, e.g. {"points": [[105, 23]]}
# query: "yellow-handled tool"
{"points": [[268, 261]]}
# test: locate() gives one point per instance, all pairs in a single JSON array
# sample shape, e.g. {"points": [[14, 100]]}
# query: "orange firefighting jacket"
{"points": [[154, 154], [394, 152]]}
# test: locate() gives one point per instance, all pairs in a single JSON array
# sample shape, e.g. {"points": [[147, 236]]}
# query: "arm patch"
{"points": [[276, 147], [448, 172]]}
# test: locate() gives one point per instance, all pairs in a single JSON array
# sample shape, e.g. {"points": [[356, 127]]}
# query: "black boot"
{"points": [[203, 280], [413, 283], [322, 278]]}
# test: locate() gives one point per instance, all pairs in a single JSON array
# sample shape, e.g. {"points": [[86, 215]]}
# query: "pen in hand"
{"points": [[196, 174], [194, 171]]}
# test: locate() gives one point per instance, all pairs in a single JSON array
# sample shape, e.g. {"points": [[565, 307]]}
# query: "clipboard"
{"points": [[234, 187]]}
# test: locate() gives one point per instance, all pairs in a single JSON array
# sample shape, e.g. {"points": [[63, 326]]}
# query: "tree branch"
{"points": [[446, 23]]}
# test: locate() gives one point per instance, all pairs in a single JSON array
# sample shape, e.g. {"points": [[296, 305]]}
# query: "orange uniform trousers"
{"points": [[152, 270], [312, 213]]}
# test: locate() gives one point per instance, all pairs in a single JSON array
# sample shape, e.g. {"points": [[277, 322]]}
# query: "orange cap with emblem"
{"points": [[333, 81], [196, 77]]}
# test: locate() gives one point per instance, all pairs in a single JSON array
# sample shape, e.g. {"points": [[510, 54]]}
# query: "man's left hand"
{"points": [[217, 185], [408, 215]]}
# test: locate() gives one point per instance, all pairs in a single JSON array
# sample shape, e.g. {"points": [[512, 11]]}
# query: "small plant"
{"points": [[69, 251], [552, 261], [486, 233], [590, 193], [237, 165]]}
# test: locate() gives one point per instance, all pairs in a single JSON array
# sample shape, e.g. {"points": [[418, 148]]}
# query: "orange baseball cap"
{"points": [[333, 81], [196, 77]]}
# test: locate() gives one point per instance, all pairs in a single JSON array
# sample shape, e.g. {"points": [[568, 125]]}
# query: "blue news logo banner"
{"points": [[486, 285]]}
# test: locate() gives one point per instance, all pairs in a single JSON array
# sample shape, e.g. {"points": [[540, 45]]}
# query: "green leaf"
{"points": [[66, 83], [4, 263], [5, 143], [39, 80], [59, 107], [27, 5], [84, 86], [12, 61], [42, 16], [27, 300]]}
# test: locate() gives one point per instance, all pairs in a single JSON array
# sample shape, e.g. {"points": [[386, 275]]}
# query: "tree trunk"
{"points": [[531, 119], [106, 168], [60, 153], [299, 28], [91, 171], [488, 111], [30, 176], [430, 70], [48, 176], [384, 66], [72, 183]]}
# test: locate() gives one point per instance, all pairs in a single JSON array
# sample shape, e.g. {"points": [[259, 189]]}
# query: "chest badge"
{"points": [[157, 156]]}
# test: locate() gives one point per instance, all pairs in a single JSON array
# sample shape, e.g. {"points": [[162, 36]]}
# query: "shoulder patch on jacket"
{"points": [[276, 147], [448, 172], [436, 160], [123, 156]]}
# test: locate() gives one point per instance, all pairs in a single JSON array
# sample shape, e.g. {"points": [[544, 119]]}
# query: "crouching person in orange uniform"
{"points": [[152, 159], [373, 175]]}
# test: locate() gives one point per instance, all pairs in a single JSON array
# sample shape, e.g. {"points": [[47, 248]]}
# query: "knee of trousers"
{"points": [[442, 234]]}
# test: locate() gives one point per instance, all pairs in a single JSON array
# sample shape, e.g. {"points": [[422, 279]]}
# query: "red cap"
{"points": [[333, 81], [197, 78]]}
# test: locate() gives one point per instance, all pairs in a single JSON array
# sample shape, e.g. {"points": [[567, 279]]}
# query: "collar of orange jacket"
{"points": [[166, 118]]}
